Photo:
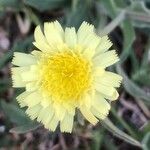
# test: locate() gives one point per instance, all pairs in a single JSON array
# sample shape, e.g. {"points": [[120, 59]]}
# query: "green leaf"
{"points": [[124, 123], [25, 128], [113, 24], [10, 3], [134, 62], [145, 60], [5, 58], [97, 138], [111, 6], [14, 113], [80, 118], [21, 46], [120, 134], [111, 145], [4, 85], [33, 16], [131, 87], [142, 74], [146, 128], [139, 13], [41, 5], [146, 142], [129, 37], [126, 25], [79, 13], [5, 141], [142, 71]]}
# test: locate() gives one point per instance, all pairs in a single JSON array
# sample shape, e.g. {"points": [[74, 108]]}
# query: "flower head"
{"points": [[65, 74]]}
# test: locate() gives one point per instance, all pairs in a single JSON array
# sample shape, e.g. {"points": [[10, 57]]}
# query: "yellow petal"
{"points": [[87, 101], [66, 124], [69, 108], [40, 40], [98, 72], [87, 37], [21, 98], [33, 111], [42, 113], [16, 76], [108, 92], [46, 102], [97, 113], [36, 54], [88, 53], [59, 28], [53, 123], [110, 79], [59, 111], [104, 45], [100, 107], [88, 115], [113, 97], [21, 59], [47, 117], [32, 86], [91, 41], [33, 99], [106, 59], [100, 104], [70, 37], [52, 35], [84, 30], [30, 76]]}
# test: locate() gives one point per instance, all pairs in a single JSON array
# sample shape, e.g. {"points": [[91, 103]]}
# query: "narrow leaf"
{"points": [[14, 113], [46, 5], [25, 128], [131, 87], [120, 134], [146, 142], [126, 25]]}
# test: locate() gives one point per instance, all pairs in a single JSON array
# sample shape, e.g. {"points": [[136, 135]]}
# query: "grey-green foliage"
{"points": [[14, 113], [43, 5], [10, 4], [141, 74], [79, 12], [146, 142], [40, 5]]}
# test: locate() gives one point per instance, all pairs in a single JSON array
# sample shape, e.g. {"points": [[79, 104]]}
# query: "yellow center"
{"points": [[65, 75]]}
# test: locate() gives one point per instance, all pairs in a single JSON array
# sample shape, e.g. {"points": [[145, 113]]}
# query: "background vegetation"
{"points": [[128, 24]]}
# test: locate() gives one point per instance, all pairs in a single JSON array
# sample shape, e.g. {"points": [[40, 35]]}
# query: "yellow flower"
{"points": [[66, 73]]}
